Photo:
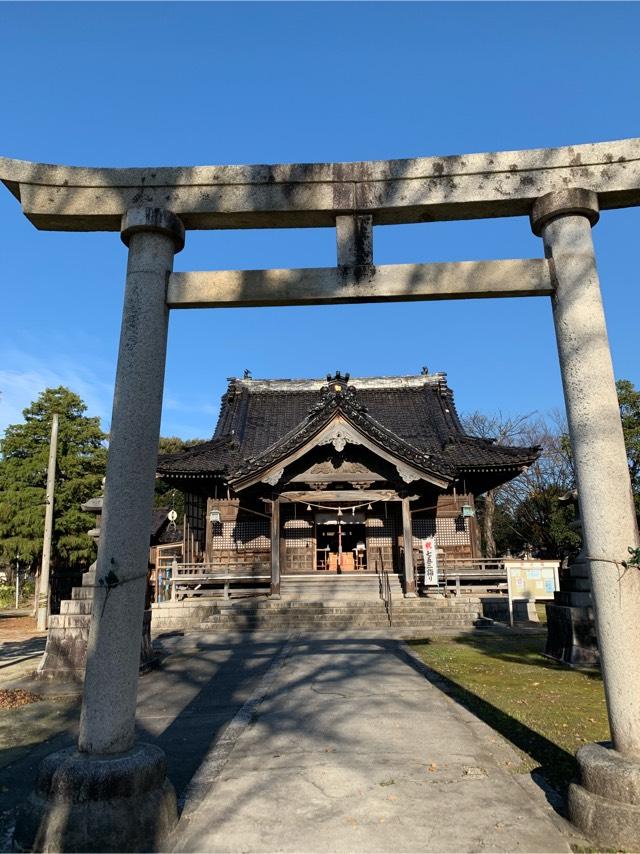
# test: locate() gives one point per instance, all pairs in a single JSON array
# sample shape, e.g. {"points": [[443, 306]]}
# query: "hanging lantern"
{"points": [[215, 516], [468, 512], [369, 507], [353, 511], [308, 507], [339, 511]]}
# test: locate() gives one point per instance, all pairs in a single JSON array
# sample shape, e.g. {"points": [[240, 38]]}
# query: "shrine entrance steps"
{"points": [[420, 615], [336, 588]]}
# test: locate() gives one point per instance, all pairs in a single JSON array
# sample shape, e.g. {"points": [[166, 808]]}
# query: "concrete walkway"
{"points": [[345, 746], [318, 744]]}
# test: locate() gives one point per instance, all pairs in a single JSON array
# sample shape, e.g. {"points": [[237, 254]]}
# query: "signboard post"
{"points": [[430, 561]]}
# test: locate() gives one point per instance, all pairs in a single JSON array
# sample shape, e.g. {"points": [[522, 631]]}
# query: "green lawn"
{"points": [[546, 710]]}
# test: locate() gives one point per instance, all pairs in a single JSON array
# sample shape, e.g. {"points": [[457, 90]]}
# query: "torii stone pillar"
{"points": [[89, 795], [606, 804]]}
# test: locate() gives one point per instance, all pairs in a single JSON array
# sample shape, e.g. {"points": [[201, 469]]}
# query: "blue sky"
{"points": [[116, 84]]}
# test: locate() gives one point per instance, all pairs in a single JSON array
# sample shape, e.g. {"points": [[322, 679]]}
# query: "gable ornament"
{"points": [[408, 475], [274, 477], [339, 436]]}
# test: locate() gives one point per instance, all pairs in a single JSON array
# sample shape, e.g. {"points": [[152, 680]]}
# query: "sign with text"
{"points": [[531, 580], [430, 561]]}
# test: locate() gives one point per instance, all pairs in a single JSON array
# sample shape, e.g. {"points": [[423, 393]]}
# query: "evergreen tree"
{"points": [[81, 463], [629, 400]]}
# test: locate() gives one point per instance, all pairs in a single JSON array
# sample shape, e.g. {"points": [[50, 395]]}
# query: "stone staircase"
{"points": [[65, 654], [363, 587], [412, 615]]}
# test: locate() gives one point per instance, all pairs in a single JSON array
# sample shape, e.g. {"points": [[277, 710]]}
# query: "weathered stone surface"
{"points": [[158, 220], [113, 653], [65, 655], [354, 241], [574, 201], [605, 804], [334, 285], [121, 802], [607, 510], [573, 598], [466, 186], [571, 635], [180, 615]]}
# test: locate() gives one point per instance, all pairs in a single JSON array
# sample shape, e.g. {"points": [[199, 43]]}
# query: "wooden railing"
{"points": [[189, 578], [454, 571], [384, 584], [479, 564]]}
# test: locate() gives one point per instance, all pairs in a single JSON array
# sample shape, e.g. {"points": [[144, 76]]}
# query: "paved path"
{"points": [[344, 746], [327, 744]]}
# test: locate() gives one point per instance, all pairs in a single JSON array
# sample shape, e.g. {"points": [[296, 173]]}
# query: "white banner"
{"points": [[430, 561]]}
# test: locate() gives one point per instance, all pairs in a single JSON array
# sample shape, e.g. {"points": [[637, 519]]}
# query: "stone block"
{"points": [[84, 802], [579, 570], [571, 635], [64, 621], [65, 654], [605, 803], [573, 599], [76, 606]]}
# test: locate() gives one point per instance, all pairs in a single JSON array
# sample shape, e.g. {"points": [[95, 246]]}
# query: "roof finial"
{"points": [[338, 377], [247, 374], [425, 371]]}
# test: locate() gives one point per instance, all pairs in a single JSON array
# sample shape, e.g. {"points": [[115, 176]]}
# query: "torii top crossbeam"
{"points": [[468, 186]]}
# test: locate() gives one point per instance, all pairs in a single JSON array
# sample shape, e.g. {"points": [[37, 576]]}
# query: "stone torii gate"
{"points": [[84, 799]]}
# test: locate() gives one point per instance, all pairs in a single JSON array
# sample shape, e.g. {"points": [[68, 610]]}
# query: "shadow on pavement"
{"points": [[204, 680]]}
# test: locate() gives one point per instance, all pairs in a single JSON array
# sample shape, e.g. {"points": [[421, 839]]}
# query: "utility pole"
{"points": [[17, 580], [43, 591]]}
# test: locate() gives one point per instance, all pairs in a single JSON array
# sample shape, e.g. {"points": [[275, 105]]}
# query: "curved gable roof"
{"points": [[258, 417], [345, 405]]}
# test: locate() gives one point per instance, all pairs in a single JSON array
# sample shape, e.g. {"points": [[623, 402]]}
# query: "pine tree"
{"points": [[81, 463], [629, 401]]}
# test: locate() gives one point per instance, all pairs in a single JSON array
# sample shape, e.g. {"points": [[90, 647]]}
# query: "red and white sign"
{"points": [[430, 561]]}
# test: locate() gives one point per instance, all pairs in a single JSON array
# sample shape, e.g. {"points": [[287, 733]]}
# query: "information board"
{"points": [[530, 580]]}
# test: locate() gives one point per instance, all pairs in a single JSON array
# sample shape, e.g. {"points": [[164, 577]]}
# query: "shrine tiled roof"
{"points": [[415, 416]]}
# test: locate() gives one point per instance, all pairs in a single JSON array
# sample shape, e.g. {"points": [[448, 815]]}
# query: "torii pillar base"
{"points": [[605, 803], [84, 802]]}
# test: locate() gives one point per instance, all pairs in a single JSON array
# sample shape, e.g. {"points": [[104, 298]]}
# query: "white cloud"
{"points": [[24, 376]]}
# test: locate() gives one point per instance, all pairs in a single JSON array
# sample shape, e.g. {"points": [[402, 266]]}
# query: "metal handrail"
{"points": [[384, 585]]}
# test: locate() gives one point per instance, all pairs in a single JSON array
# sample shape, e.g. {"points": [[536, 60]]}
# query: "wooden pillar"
{"points": [[407, 535], [475, 538], [275, 548], [208, 531]]}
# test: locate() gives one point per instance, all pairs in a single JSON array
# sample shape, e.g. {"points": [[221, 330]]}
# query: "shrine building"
{"points": [[332, 477]]}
